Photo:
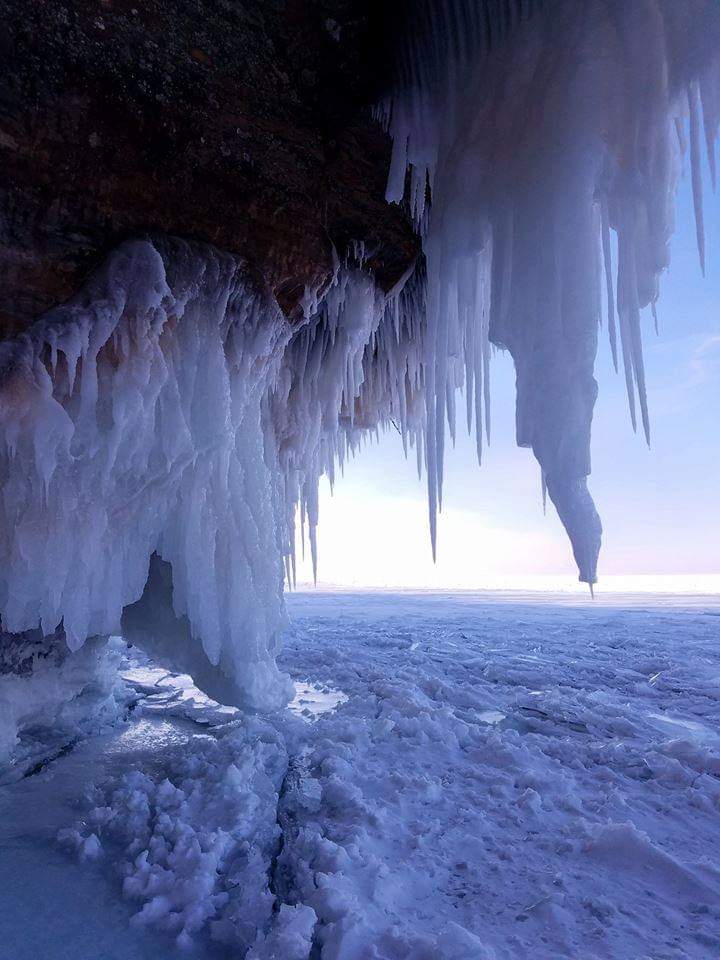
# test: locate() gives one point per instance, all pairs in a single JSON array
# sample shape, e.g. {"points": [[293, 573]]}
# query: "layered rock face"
{"points": [[241, 123]]}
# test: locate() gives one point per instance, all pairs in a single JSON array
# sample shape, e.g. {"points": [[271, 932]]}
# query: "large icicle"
{"points": [[535, 128]]}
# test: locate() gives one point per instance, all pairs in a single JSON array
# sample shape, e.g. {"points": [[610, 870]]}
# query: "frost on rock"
{"points": [[534, 128]]}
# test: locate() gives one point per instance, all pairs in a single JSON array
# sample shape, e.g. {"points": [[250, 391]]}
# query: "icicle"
{"points": [[515, 168], [636, 351], [624, 309], [607, 262], [680, 133], [696, 176], [710, 98]]}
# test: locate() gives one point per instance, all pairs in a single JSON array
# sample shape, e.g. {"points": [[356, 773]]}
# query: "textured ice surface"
{"points": [[311, 701], [402, 824]]}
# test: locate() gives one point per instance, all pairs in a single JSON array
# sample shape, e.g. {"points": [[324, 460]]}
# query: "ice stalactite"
{"points": [[354, 367], [131, 423], [156, 435], [534, 128]]}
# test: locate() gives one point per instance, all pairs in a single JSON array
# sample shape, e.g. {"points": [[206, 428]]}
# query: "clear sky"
{"points": [[659, 506]]}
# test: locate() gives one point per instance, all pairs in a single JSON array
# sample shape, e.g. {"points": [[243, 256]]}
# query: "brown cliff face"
{"points": [[243, 123]]}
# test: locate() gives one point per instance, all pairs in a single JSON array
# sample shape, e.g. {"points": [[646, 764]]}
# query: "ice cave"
{"points": [[239, 239]]}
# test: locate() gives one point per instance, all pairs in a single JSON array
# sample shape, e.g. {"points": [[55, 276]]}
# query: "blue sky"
{"points": [[659, 506]]}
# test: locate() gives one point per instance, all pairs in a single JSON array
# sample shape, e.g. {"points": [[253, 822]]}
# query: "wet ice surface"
{"points": [[172, 694], [311, 701], [175, 694], [456, 778]]}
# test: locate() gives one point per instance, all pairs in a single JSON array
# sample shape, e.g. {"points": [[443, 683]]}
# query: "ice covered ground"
{"points": [[460, 778]]}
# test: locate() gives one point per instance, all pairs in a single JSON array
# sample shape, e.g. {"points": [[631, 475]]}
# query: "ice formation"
{"points": [[535, 128], [55, 695], [158, 432], [156, 435], [131, 424]]}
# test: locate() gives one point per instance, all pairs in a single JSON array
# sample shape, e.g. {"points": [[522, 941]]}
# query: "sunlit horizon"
{"points": [[472, 554], [658, 505]]}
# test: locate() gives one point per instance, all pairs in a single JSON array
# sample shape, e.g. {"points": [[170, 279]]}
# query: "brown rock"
{"points": [[243, 123]]}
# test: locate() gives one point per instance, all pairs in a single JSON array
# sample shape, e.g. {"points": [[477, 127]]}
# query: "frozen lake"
{"points": [[461, 777]]}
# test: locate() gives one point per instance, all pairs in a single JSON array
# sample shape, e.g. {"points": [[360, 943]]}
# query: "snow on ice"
{"points": [[502, 780]]}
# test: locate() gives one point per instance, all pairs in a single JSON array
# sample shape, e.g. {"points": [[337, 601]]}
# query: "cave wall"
{"points": [[242, 123]]}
